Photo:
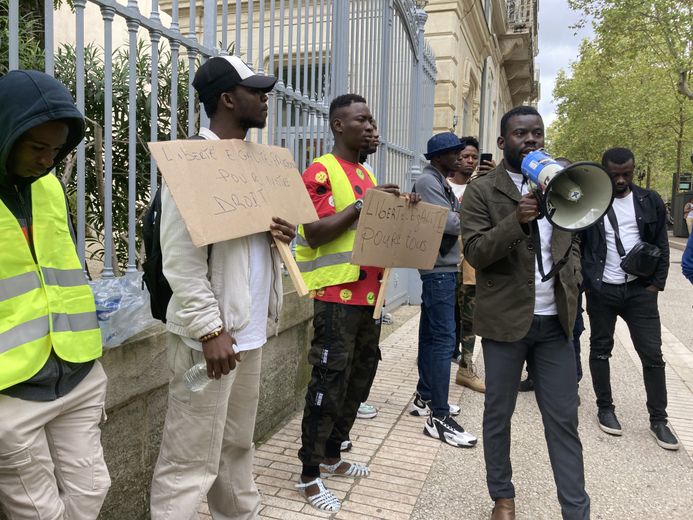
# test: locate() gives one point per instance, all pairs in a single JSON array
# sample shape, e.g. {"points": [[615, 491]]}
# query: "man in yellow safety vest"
{"points": [[344, 351], [52, 389]]}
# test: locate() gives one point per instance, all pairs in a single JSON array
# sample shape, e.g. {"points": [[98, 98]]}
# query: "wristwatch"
{"points": [[358, 205]]}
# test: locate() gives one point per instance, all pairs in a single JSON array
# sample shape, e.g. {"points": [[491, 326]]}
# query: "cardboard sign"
{"points": [[391, 233], [231, 188]]}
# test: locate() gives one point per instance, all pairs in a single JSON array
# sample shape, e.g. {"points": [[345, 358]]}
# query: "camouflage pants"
{"points": [[464, 316], [344, 354]]}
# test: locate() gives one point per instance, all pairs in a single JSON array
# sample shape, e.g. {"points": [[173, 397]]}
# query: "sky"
{"points": [[558, 46]]}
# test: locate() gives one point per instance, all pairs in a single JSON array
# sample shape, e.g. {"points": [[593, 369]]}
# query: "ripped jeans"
{"points": [[638, 308]]}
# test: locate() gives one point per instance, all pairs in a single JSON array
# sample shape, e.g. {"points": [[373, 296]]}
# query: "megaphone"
{"points": [[572, 198]]}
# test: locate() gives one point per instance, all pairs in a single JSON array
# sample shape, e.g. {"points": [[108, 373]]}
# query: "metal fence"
{"points": [[317, 48]]}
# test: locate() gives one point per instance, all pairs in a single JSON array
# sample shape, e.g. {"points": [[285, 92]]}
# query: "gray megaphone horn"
{"points": [[572, 198]]}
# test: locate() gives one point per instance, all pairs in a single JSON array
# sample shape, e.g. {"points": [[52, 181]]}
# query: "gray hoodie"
{"points": [[434, 189]]}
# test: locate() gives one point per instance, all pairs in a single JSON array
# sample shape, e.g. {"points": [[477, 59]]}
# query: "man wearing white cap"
{"points": [[222, 297]]}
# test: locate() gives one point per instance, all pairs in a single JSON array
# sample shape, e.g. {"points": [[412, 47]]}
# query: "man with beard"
{"points": [[637, 215], [344, 352], [514, 253], [222, 297]]}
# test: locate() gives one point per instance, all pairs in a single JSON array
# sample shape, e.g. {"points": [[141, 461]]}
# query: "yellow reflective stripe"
{"points": [[18, 285], [63, 277], [324, 261], [25, 332]]}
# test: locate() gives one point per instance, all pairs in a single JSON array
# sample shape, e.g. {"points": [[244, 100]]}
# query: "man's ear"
{"points": [[337, 125], [500, 142], [226, 99]]}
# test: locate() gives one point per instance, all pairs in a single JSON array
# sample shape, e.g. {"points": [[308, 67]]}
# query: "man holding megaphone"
{"points": [[524, 314]]}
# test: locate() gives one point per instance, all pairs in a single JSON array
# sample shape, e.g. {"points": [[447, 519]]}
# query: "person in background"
{"points": [[52, 386], [687, 260], [437, 321], [688, 215], [466, 281], [636, 215]]}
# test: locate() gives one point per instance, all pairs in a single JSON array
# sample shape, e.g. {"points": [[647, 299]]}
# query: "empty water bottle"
{"points": [[195, 379]]}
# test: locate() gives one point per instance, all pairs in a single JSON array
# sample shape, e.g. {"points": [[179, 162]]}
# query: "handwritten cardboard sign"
{"points": [[391, 233], [231, 188]]}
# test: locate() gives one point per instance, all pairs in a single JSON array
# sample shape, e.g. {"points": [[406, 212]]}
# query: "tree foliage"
{"points": [[662, 27], [623, 94]]}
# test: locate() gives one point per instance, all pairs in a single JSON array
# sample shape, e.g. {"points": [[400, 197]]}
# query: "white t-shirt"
{"points": [[457, 189], [544, 297], [254, 334], [624, 209]]}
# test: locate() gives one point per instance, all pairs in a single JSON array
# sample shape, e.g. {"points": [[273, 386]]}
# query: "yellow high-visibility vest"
{"points": [[44, 303], [330, 264]]}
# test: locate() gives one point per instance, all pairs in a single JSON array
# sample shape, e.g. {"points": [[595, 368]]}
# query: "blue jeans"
{"points": [[436, 339]]}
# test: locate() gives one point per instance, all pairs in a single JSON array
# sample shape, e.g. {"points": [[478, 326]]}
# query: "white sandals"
{"points": [[355, 470], [324, 500]]}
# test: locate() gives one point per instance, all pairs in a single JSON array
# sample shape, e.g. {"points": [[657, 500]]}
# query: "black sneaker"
{"points": [[664, 437], [526, 385], [448, 431], [421, 408], [608, 422]]}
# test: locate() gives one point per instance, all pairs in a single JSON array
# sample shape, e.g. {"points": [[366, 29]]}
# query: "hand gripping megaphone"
{"points": [[572, 198]]}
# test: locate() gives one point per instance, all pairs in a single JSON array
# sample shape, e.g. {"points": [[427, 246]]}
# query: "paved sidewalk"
{"points": [[415, 477]]}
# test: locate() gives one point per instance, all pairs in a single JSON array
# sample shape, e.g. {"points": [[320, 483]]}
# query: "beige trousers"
{"points": [[51, 460], [207, 443]]}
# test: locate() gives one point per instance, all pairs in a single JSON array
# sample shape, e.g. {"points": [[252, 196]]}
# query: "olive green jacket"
{"points": [[502, 252]]}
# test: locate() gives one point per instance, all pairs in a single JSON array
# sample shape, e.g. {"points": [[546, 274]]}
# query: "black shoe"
{"points": [[527, 385], [608, 422], [664, 437], [447, 430]]}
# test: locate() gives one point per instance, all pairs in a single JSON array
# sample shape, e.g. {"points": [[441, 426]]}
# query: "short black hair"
{"points": [[470, 140], [344, 101], [522, 110], [617, 155]]}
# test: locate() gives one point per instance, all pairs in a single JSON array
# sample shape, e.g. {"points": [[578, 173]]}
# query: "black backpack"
{"points": [[159, 290]]}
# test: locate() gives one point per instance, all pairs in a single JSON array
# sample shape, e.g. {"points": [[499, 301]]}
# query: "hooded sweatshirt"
{"points": [[27, 99]]}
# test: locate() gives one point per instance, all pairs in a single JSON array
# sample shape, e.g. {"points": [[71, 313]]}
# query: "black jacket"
{"points": [[28, 99], [652, 224]]}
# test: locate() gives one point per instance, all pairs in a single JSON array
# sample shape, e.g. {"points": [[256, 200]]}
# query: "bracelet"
{"points": [[211, 335]]}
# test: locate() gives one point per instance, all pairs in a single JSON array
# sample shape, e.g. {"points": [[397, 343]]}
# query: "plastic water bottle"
{"points": [[106, 305], [195, 379]]}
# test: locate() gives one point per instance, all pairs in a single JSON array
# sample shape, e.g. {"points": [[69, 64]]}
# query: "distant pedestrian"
{"points": [[222, 297], [52, 386], [525, 311], [637, 215], [437, 321], [688, 215]]}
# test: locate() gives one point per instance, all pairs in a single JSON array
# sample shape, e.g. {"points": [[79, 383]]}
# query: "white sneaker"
{"points": [[366, 411], [346, 445], [448, 431], [420, 408]]}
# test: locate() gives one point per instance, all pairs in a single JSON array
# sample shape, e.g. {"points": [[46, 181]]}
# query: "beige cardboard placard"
{"points": [[391, 233], [231, 188]]}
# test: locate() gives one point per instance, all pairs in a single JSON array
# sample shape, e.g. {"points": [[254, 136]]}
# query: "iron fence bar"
{"points": [[237, 47], [132, 135], [108, 14], [224, 28], [174, 42], [191, 51], [13, 47], [81, 167], [154, 38], [49, 52], [249, 25]]}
